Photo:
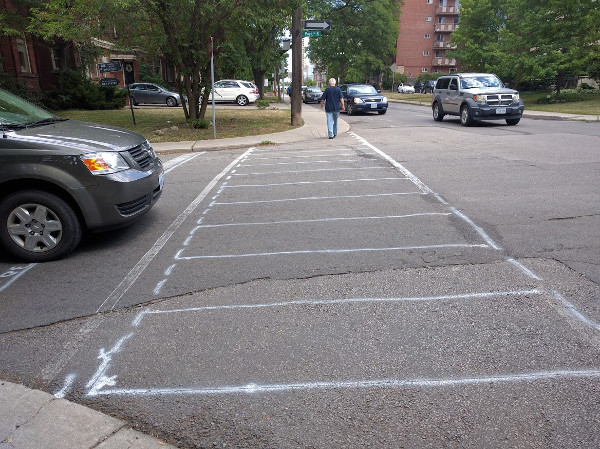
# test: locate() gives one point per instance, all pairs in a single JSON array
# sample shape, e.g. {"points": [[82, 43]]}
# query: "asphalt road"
{"points": [[407, 284]]}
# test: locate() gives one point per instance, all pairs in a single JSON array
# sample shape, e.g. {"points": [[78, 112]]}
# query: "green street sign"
{"points": [[310, 33]]}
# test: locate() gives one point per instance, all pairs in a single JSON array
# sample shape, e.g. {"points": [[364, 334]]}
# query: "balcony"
{"points": [[445, 27], [443, 62], [443, 45], [447, 11]]}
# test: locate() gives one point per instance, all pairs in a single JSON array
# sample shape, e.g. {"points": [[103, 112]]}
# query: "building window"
{"points": [[439, 54], [426, 53], [55, 56], [429, 2], [424, 70], [23, 56], [427, 36], [428, 19], [440, 38]]}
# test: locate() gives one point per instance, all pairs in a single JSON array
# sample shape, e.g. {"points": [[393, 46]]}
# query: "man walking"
{"points": [[333, 100]]}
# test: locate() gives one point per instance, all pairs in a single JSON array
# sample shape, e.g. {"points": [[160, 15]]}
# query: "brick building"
{"points": [[425, 29]]}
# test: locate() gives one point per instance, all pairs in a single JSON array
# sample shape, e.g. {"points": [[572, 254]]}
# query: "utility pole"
{"points": [[297, 66]]}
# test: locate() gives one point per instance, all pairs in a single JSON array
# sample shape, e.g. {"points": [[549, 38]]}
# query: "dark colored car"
{"points": [[149, 93], [363, 98], [59, 177], [312, 95], [428, 87]]}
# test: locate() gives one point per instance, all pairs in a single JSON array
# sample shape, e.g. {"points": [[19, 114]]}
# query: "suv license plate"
{"points": [[501, 111]]}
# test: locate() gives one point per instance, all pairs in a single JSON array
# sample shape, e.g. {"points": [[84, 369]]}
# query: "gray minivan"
{"points": [[58, 177]]}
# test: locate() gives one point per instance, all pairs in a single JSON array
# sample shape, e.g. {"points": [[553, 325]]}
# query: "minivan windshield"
{"points": [[15, 111]]}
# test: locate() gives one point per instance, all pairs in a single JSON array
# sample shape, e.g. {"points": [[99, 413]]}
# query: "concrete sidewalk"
{"points": [[33, 419]]}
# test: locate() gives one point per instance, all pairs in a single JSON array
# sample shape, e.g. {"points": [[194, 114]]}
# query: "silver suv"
{"points": [[475, 96]]}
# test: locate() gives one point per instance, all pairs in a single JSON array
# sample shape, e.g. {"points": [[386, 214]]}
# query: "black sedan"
{"points": [[363, 98]]}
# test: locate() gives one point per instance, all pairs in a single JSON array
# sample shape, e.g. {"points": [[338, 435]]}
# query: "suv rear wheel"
{"points": [[438, 115], [38, 226], [512, 121]]}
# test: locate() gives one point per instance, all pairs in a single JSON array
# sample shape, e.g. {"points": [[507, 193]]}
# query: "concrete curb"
{"points": [[34, 419]]}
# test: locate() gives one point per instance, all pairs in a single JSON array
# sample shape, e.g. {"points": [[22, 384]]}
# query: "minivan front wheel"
{"points": [[38, 226]]}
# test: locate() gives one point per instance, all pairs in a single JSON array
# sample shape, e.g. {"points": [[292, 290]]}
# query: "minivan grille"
{"points": [[142, 155], [500, 100], [132, 207]]}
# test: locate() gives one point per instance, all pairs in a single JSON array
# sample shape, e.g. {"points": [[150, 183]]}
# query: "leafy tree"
{"points": [[477, 39], [361, 42], [552, 39], [529, 40]]}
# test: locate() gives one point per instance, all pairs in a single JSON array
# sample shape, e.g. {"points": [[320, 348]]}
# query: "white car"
{"points": [[235, 91], [405, 89]]}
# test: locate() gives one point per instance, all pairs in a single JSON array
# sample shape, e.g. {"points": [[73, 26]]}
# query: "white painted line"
{"points": [[178, 161], [135, 272], [66, 386], [253, 388], [524, 269], [298, 183], [12, 274], [322, 220], [427, 190], [310, 198], [297, 172], [178, 256], [298, 163], [395, 164], [313, 302], [301, 157], [487, 239], [99, 380], [576, 313]]}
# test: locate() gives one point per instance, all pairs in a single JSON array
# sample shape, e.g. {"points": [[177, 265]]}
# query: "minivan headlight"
{"points": [[104, 163]]}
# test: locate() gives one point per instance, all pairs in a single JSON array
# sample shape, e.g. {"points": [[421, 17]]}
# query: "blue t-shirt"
{"points": [[332, 96]]}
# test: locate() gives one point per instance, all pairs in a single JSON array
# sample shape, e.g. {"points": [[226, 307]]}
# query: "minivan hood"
{"points": [[81, 136]]}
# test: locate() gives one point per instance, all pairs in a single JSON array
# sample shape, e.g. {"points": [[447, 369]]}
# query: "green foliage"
{"points": [[149, 74], [361, 42], [262, 104], [199, 123], [76, 91], [524, 41]]}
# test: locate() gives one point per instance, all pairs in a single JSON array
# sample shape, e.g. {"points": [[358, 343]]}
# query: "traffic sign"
{"points": [[108, 82], [311, 33], [109, 67], [317, 25]]}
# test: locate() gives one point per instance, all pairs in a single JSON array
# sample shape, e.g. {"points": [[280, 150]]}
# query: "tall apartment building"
{"points": [[425, 29]]}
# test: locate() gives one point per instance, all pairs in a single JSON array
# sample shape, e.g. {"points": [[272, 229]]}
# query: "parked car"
{"points": [[418, 86], [405, 89], [312, 94], [363, 98], [235, 91], [428, 87], [59, 176], [150, 93], [475, 96]]}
